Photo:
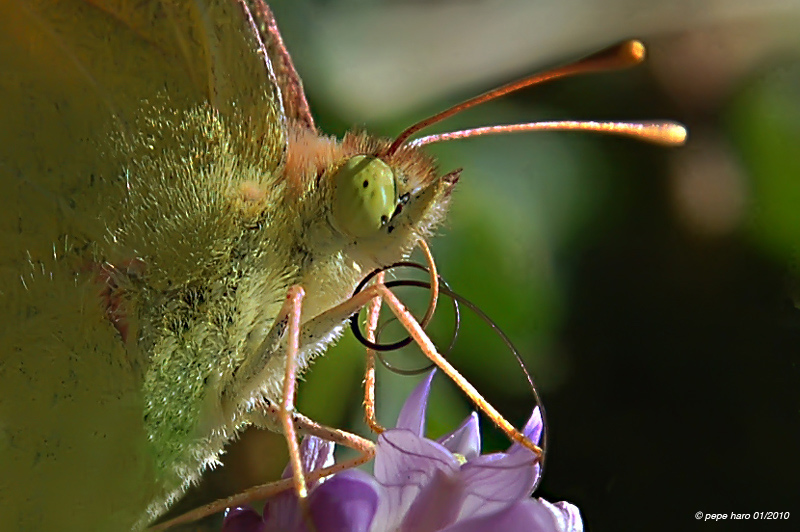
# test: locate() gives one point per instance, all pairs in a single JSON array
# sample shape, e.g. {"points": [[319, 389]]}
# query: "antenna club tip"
{"points": [[635, 51], [675, 134]]}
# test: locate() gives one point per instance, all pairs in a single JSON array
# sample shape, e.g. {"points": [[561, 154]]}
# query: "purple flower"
{"points": [[421, 485], [448, 486], [345, 502]]}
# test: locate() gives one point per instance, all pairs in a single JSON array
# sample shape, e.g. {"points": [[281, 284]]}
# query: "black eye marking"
{"points": [[404, 198], [365, 184], [391, 228]]}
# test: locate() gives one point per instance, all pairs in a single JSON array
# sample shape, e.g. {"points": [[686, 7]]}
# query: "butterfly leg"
{"points": [[369, 373], [292, 421], [256, 370], [371, 327], [295, 300], [416, 331]]}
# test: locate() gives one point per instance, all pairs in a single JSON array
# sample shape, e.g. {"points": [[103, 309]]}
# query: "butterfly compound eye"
{"points": [[364, 196]]}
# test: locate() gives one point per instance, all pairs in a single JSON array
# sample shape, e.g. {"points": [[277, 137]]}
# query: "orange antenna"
{"points": [[665, 133], [623, 55]]}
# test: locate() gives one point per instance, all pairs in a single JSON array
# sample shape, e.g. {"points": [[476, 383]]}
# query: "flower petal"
{"points": [[528, 515], [465, 440], [282, 512], [345, 503], [404, 465], [496, 481], [315, 453], [567, 516], [412, 415], [242, 519], [436, 506], [532, 429]]}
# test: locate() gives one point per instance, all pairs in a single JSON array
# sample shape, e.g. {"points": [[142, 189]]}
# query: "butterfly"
{"points": [[165, 189]]}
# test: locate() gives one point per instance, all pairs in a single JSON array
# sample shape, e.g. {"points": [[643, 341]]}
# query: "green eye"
{"points": [[364, 196]]}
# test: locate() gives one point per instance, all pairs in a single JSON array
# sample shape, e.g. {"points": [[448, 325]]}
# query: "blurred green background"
{"points": [[651, 291]]}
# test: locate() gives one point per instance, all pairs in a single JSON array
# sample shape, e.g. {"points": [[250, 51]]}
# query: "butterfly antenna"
{"points": [[623, 55]]}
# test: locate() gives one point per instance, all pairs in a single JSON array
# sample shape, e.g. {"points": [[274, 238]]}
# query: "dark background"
{"points": [[651, 290]]}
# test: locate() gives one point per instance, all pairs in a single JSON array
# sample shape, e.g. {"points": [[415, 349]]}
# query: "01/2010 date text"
{"points": [[770, 515]]}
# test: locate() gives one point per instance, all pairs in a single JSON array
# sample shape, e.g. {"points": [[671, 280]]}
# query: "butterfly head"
{"points": [[382, 204]]}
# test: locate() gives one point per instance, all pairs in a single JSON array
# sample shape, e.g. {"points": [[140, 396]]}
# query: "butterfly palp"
{"points": [[364, 197]]}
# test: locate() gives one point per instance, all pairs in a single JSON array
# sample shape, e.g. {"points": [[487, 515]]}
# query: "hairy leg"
{"points": [[426, 345], [369, 372]]}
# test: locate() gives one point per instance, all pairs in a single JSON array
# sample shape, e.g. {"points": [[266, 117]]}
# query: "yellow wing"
{"points": [[83, 85], [76, 75]]}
